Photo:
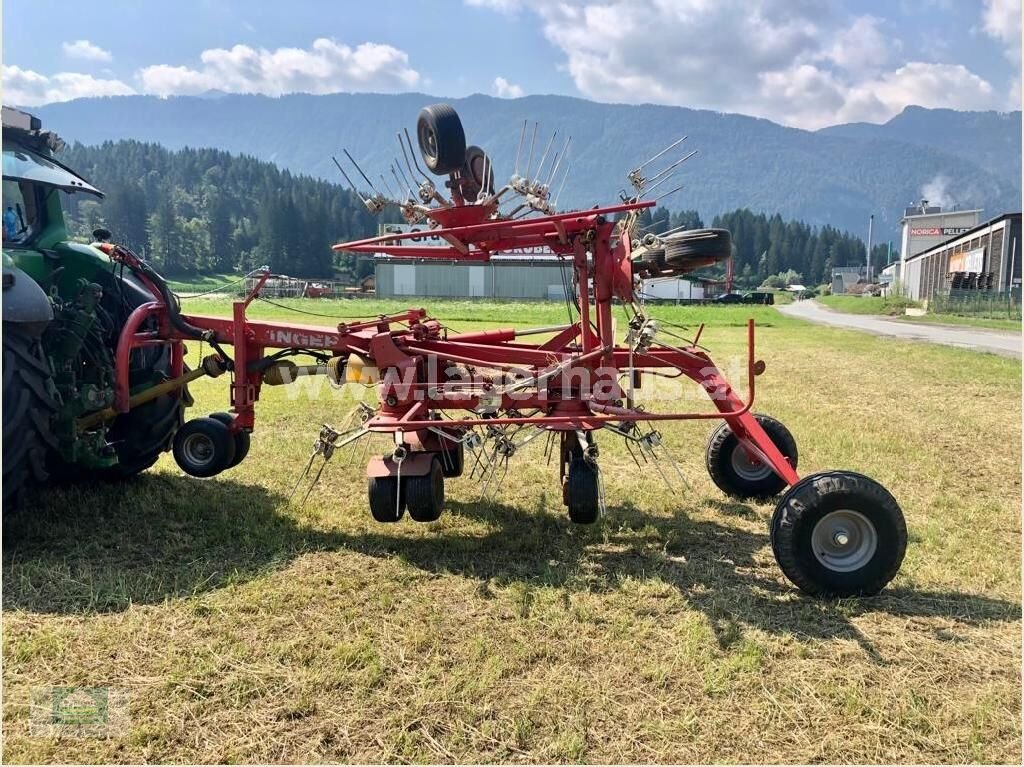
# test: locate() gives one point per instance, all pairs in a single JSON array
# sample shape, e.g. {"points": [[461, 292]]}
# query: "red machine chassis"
{"points": [[415, 354]]}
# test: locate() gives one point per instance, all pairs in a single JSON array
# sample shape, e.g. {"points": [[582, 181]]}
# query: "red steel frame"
{"points": [[411, 344]]}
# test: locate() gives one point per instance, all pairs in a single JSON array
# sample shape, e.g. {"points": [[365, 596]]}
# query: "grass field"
{"points": [[247, 628], [894, 307]]}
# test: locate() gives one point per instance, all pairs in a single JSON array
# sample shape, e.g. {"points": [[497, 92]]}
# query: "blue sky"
{"points": [[806, 63]]}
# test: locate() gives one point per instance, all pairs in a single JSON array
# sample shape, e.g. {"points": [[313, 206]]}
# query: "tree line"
{"points": [[765, 246], [204, 210], [194, 211]]}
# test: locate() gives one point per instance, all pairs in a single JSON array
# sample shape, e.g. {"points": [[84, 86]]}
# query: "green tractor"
{"points": [[64, 305]]}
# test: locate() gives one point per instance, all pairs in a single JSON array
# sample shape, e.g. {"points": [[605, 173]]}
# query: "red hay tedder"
{"points": [[445, 395]]}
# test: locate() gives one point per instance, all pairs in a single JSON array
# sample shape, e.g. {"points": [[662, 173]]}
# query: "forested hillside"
{"points": [[833, 177], [204, 210]]}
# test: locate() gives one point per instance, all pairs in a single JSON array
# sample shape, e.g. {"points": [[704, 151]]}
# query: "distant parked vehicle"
{"points": [[729, 298], [753, 297]]}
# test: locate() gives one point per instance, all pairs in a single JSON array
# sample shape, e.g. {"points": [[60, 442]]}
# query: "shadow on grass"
{"points": [[84, 550]]}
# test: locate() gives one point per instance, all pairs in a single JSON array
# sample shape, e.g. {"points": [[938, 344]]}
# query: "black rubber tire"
{"points": [[384, 506], [204, 435], [697, 246], [471, 176], [653, 260], [243, 441], [29, 403], [424, 495], [441, 138], [806, 503], [453, 459], [719, 460], [144, 433], [583, 492]]}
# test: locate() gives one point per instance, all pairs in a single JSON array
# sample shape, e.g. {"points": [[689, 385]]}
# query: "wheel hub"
{"points": [[747, 467], [844, 540], [198, 448]]}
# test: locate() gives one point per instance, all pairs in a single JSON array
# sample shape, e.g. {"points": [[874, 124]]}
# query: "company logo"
{"points": [[934, 231], [78, 711]]}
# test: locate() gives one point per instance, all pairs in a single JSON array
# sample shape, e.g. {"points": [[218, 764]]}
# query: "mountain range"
{"points": [[838, 175]]}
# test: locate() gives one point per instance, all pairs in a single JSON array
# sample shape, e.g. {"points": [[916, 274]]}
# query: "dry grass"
{"points": [[248, 629]]}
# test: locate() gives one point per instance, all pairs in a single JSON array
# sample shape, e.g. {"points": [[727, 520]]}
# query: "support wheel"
{"points": [[385, 503], [583, 495], [441, 138], [204, 447], [243, 440], [740, 476], [424, 495], [839, 534]]}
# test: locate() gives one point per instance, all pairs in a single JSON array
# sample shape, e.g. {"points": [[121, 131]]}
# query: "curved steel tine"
{"points": [[343, 173], [533, 143], [562, 185], [678, 162], [404, 181], [522, 136], [544, 156], [558, 159], [387, 187], [405, 156], [354, 163], [659, 154], [412, 153]]}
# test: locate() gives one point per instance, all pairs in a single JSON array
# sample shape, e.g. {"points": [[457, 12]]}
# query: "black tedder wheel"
{"points": [[732, 469], [385, 503], [839, 534], [242, 438], [204, 447], [583, 492], [473, 183], [453, 458], [697, 247], [424, 495], [441, 138], [28, 408]]}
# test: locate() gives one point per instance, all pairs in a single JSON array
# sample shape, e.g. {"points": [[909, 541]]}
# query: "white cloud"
{"points": [[83, 49], [23, 87], [799, 62], [1002, 21], [326, 67], [503, 89]]}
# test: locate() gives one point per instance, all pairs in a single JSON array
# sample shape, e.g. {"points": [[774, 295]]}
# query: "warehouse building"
{"points": [[925, 226], [501, 277], [985, 257]]}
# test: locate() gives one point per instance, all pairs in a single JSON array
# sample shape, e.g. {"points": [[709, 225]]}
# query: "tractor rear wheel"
{"points": [[29, 405]]}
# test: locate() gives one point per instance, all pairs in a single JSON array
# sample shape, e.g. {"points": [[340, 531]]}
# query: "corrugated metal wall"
{"points": [[492, 280]]}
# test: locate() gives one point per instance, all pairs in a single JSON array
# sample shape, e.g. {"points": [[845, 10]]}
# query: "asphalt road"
{"points": [[999, 342]]}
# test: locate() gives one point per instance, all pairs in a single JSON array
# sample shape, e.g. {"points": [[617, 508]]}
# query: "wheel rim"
{"points": [[198, 449], [747, 467], [844, 540]]}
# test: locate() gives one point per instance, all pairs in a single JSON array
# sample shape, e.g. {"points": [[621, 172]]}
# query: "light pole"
{"points": [[871, 223]]}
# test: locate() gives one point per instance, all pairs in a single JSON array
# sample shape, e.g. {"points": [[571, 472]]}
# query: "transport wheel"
{"points": [[697, 247], [583, 492], [652, 261], [839, 534], [739, 476], [441, 138], [204, 447], [453, 458], [473, 183], [243, 440], [385, 503], [425, 495], [28, 406]]}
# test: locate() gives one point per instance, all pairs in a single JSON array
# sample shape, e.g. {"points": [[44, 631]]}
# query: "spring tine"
{"points": [[669, 194], [412, 153], [568, 166], [305, 471], [558, 159], [544, 156], [533, 143], [654, 186], [343, 173], [351, 160], [677, 163], [659, 154], [405, 156], [403, 181], [387, 187], [522, 135]]}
